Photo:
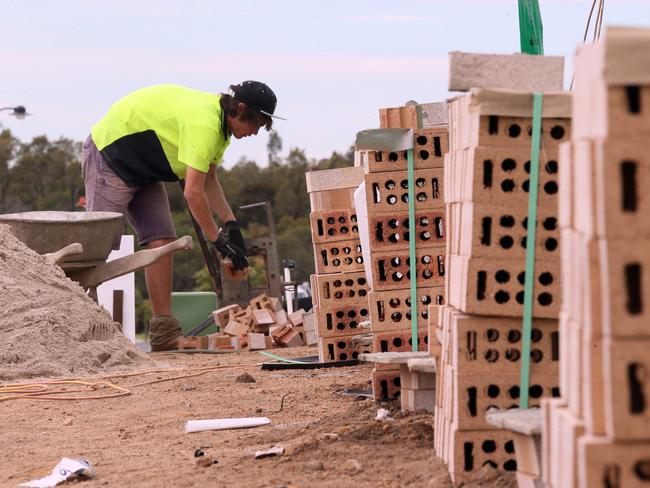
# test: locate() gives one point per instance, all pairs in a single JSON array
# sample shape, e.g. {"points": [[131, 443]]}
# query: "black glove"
{"points": [[230, 244]]}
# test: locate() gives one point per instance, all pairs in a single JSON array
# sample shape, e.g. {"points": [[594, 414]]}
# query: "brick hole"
{"points": [[394, 302], [507, 221], [629, 183], [407, 301], [521, 277], [513, 392], [492, 335], [363, 312], [520, 297], [550, 223], [525, 186], [468, 456], [335, 251], [555, 346], [513, 355], [426, 299], [359, 260], [393, 238], [362, 293], [391, 199], [355, 355], [361, 281], [551, 167], [331, 232], [343, 230], [376, 194], [340, 326], [634, 303], [507, 185], [421, 140], [408, 315], [395, 261], [426, 259], [493, 124], [506, 242], [510, 465], [491, 463], [336, 262], [404, 184], [419, 182], [489, 446], [424, 221], [437, 147], [405, 197], [338, 295], [389, 184], [427, 274], [491, 355], [353, 218], [351, 293], [347, 250], [536, 355], [493, 391], [555, 392], [396, 381], [545, 278], [330, 351], [396, 316], [440, 300], [642, 469], [392, 157], [340, 314], [514, 130], [330, 220], [425, 236], [352, 314], [439, 227], [508, 165], [348, 261], [502, 276], [557, 132], [527, 167], [545, 299], [343, 356], [536, 335], [424, 154], [341, 345], [398, 342], [349, 282], [509, 447], [487, 173], [513, 336], [636, 373], [471, 401], [501, 297], [397, 276], [378, 156], [337, 283], [421, 197], [486, 231], [481, 280], [550, 188], [536, 391]]}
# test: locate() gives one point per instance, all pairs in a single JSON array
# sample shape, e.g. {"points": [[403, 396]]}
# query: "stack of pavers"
{"points": [[339, 287], [598, 433], [381, 203], [480, 329]]}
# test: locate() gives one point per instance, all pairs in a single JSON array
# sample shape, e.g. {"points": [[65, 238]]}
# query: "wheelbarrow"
{"points": [[80, 242]]}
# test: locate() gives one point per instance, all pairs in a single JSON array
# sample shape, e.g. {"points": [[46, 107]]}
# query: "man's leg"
{"points": [[159, 280]]}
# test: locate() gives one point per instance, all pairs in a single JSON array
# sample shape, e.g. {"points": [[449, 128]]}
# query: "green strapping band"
{"points": [[281, 359], [413, 264], [418, 113], [529, 283]]}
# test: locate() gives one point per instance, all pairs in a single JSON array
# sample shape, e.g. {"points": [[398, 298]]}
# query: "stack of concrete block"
{"points": [[381, 203], [598, 433], [263, 324], [339, 286], [480, 329]]}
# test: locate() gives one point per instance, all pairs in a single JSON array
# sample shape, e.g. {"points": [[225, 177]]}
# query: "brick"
{"points": [[603, 463], [218, 341], [193, 342], [385, 384], [416, 381], [488, 287], [235, 328], [290, 338], [342, 256], [523, 72], [269, 342], [500, 232], [400, 341], [471, 450], [222, 315], [296, 318], [398, 117], [261, 302], [412, 400], [281, 317], [330, 179], [333, 349], [263, 317], [390, 270], [388, 192], [341, 320], [528, 453], [332, 288], [429, 148], [390, 231], [276, 304], [329, 200], [336, 225], [391, 310], [308, 321], [256, 341]]}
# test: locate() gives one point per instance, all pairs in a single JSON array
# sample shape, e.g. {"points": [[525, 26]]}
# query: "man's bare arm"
{"points": [[197, 201], [216, 197]]}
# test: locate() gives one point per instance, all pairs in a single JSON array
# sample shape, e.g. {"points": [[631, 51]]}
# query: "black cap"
{"points": [[257, 95]]}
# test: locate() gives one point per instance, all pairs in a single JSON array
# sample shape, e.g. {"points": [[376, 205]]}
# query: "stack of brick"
{"points": [[487, 182], [263, 324], [381, 202], [598, 433], [339, 286]]}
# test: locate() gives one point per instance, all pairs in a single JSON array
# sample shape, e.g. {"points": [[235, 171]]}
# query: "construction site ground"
{"points": [[139, 440]]}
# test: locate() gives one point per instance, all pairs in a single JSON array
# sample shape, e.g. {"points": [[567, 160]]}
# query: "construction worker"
{"points": [[166, 133]]}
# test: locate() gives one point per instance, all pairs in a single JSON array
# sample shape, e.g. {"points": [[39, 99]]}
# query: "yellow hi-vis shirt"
{"points": [[155, 133]]}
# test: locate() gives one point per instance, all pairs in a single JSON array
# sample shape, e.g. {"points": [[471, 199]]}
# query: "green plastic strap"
{"points": [[412, 255], [418, 113], [281, 359], [531, 35], [531, 228]]}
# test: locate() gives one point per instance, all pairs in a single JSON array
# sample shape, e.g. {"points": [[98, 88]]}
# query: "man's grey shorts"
{"points": [[145, 207]]}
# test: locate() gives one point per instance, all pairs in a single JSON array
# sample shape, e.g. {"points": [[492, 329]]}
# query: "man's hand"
{"points": [[230, 244]]}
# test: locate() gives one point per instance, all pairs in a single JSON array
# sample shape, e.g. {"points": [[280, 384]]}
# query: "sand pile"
{"points": [[48, 326]]}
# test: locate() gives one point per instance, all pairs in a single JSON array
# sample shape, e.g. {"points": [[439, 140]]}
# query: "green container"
{"points": [[193, 307]]}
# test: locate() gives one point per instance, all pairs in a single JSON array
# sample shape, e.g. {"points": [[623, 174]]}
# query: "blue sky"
{"points": [[331, 63]]}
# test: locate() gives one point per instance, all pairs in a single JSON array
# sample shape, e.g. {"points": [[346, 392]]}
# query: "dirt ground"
{"points": [[139, 440]]}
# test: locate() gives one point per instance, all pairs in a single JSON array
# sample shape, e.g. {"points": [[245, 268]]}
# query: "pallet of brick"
{"points": [[339, 286], [601, 426]]}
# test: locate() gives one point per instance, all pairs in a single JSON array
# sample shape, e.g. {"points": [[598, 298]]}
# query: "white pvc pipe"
{"points": [[288, 295], [224, 424]]}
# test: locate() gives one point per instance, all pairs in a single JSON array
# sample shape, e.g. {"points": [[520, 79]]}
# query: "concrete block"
{"points": [[335, 225], [333, 179], [256, 342], [391, 310], [337, 257]]}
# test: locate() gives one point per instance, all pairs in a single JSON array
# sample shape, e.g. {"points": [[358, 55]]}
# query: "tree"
{"points": [[274, 146], [8, 145]]}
